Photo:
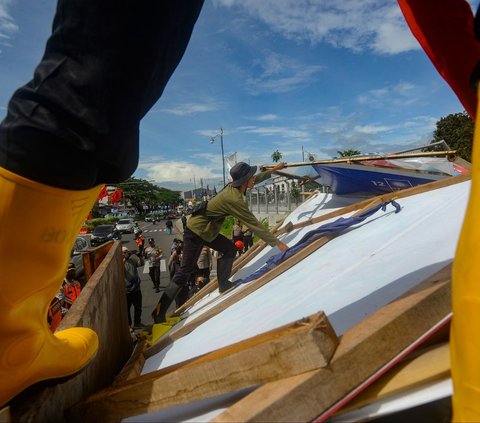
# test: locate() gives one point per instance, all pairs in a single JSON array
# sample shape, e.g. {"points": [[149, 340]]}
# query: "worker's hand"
{"points": [[283, 247], [278, 167]]}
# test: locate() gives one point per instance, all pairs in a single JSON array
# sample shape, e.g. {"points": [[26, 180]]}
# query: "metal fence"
{"points": [[276, 200]]}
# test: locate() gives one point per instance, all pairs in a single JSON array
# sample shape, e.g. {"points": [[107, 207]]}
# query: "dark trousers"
{"points": [[135, 299], [154, 273], [105, 65], [192, 248], [247, 242]]}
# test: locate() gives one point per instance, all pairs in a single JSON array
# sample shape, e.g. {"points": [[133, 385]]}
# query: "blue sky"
{"points": [[283, 75]]}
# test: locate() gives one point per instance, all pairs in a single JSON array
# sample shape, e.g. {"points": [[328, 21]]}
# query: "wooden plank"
{"points": [[289, 350], [134, 365], [5, 415], [246, 290], [363, 350], [93, 257], [426, 338], [430, 366]]}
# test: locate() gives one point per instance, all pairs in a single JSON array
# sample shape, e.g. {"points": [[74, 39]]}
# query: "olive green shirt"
{"points": [[229, 202]]}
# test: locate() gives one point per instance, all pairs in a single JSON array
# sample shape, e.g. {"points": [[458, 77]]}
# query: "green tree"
{"points": [[457, 131], [276, 156], [349, 153], [142, 193]]}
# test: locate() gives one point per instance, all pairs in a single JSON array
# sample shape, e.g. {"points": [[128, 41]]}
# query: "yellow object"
{"points": [[38, 226], [160, 329], [465, 331]]}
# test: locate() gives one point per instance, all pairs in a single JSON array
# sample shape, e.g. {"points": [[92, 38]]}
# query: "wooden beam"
{"points": [[432, 365], [362, 351], [289, 350], [5, 415], [93, 257], [134, 365]]}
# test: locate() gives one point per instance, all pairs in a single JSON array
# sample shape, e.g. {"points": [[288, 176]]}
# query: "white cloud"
{"points": [[279, 131], [280, 74], [372, 129], [190, 109], [375, 25], [7, 24], [397, 95], [266, 118], [162, 171]]}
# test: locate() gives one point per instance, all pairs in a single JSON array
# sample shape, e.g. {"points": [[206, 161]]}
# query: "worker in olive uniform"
{"points": [[204, 229]]}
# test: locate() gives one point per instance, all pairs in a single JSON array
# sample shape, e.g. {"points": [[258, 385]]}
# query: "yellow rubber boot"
{"points": [[465, 329], [38, 226]]}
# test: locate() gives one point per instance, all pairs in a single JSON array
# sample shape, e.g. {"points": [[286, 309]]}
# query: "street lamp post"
{"points": [[212, 141]]}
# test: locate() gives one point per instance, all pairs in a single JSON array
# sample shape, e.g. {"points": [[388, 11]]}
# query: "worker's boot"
{"points": [[159, 313], [38, 226], [224, 269]]}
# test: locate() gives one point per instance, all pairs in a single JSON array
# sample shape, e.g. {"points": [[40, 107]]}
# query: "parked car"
{"points": [[104, 233], [125, 226]]}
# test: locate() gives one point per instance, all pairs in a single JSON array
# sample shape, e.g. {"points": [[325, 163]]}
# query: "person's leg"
{"points": [[129, 306], [151, 273], [95, 82], [224, 264], [182, 296], [157, 278], [137, 307], [191, 251]]}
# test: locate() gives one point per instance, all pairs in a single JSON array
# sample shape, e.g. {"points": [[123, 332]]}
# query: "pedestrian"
{"points": [[131, 263], [247, 238], [184, 222], [239, 246], [205, 262], [154, 254], [140, 241], [237, 234], [204, 229], [70, 289], [54, 314], [169, 226], [174, 261], [88, 95]]}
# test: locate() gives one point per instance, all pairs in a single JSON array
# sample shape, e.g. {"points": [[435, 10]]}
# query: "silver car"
{"points": [[125, 226]]}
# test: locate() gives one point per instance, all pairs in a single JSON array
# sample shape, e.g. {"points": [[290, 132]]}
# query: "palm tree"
{"points": [[276, 156], [349, 153]]}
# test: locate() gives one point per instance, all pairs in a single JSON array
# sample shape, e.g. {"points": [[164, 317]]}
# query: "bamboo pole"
{"points": [[450, 153]]}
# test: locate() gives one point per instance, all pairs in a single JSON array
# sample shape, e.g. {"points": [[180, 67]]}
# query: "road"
{"points": [[159, 233]]}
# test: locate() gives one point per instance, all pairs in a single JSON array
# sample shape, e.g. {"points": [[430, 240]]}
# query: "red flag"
{"points": [[116, 196], [445, 31], [103, 193]]}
